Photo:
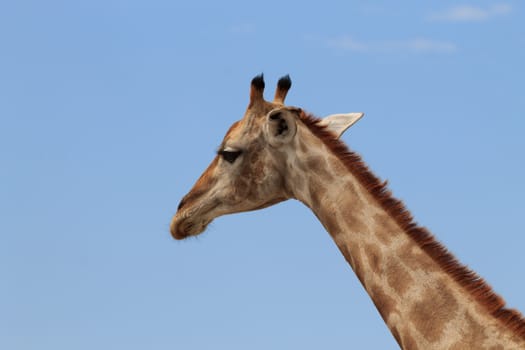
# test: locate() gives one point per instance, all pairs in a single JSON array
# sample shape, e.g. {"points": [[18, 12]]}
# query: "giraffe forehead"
{"points": [[233, 135], [241, 130], [250, 123], [232, 130]]}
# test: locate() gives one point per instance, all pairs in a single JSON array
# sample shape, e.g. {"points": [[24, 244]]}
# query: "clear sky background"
{"points": [[110, 110]]}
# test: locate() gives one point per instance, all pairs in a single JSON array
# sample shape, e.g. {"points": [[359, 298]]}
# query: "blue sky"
{"points": [[110, 110]]}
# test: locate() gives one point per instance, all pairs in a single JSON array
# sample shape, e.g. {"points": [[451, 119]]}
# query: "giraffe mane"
{"points": [[468, 279]]}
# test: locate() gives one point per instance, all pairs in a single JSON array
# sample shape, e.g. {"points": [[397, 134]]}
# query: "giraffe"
{"points": [[427, 299]]}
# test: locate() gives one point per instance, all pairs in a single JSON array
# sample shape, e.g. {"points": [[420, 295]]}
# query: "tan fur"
{"points": [[426, 297], [472, 283]]}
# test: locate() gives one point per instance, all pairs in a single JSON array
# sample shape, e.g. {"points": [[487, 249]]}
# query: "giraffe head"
{"points": [[250, 169]]}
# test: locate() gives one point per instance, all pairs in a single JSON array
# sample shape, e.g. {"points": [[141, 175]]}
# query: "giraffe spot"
{"points": [[356, 223], [330, 222], [298, 184], [408, 342], [397, 276], [386, 228], [353, 257], [433, 311], [404, 339], [374, 258], [351, 189], [353, 215], [241, 188], [339, 168], [299, 166], [384, 303], [318, 166], [316, 194], [416, 259], [303, 147], [472, 334]]}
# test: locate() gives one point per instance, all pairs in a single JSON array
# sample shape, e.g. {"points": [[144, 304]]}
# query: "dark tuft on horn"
{"points": [[285, 83], [257, 90], [258, 82]]}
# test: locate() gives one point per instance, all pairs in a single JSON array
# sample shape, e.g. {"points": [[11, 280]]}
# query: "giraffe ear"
{"points": [[338, 123], [280, 127]]}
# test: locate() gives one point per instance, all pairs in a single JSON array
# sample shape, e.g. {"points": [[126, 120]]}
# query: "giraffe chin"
{"points": [[181, 229]]}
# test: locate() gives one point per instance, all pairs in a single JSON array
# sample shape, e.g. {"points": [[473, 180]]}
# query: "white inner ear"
{"points": [[339, 123]]}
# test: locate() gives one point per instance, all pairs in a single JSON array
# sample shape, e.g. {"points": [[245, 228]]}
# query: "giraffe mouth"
{"points": [[188, 224], [185, 228]]}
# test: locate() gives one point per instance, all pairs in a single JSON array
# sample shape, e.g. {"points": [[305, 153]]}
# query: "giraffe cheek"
{"points": [[240, 189]]}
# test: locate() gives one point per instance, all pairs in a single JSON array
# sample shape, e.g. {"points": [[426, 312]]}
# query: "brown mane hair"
{"points": [[467, 278]]}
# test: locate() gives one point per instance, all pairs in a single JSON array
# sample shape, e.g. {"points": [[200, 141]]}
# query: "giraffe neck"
{"points": [[422, 304]]}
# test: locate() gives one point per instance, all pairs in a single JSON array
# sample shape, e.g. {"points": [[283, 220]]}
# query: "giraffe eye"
{"points": [[229, 155]]}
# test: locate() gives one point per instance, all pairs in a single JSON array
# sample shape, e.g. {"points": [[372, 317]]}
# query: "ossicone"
{"points": [[257, 89], [284, 84]]}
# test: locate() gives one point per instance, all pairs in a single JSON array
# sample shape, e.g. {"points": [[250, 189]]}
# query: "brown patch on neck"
{"points": [[469, 280], [384, 304], [431, 314], [398, 278]]}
